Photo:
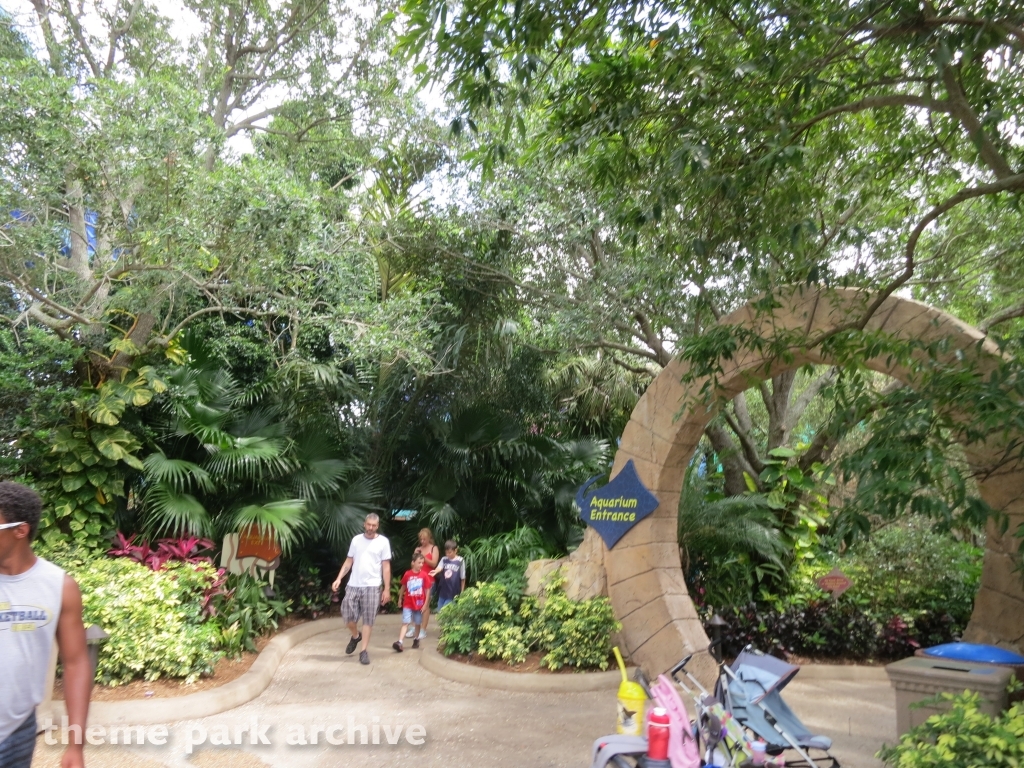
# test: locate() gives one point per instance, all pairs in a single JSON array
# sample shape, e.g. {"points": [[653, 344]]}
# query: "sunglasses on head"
{"points": [[11, 525]]}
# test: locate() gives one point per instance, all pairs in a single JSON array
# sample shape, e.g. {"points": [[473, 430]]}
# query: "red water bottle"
{"points": [[657, 734]]}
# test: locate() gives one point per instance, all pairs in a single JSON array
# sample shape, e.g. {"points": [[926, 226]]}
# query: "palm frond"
{"points": [[168, 512], [177, 474], [287, 520], [251, 459], [341, 516]]}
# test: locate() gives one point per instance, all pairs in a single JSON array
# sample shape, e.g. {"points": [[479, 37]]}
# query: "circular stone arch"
{"points": [[643, 575]]}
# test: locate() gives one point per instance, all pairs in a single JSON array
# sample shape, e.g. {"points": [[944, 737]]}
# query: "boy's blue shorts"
{"points": [[443, 601], [409, 616]]}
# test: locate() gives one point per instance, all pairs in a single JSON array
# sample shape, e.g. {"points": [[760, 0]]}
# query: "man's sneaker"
{"points": [[364, 657], [351, 647], [411, 632], [416, 643], [423, 635], [398, 645]]}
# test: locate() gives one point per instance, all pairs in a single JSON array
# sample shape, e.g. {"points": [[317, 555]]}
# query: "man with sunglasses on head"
{"points": [[38, 604]]}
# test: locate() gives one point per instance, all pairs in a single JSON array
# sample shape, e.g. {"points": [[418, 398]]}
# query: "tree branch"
{"points": [[962, 111], [749, 448], [876, 102], [1008, 313], [1009, 184], [796, 410]]}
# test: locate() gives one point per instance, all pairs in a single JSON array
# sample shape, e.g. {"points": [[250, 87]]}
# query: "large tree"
{"points": [[727, 150]]}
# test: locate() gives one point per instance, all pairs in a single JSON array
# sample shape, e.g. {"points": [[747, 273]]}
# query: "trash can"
{"points": [[922, 677], [94, 638]]}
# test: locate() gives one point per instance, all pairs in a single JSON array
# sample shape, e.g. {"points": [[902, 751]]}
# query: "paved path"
{"points": [[318, 685]]}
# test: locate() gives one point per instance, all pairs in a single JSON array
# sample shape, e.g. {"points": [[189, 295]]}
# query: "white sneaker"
{"points": [[411, 632], [423, 635]]}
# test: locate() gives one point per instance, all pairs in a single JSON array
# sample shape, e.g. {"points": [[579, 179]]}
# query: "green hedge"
{"points": [[962, 737], [496, 621], [154, 618]]}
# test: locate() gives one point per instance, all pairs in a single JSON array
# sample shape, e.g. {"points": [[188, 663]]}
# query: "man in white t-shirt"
{"points": [[369, 559]]}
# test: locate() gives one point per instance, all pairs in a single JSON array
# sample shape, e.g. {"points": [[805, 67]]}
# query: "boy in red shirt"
{"points": [[413, 596]]}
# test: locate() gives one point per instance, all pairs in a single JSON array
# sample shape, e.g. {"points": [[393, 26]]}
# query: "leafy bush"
{"points": [[462, 621], [574, 633], [912, 588], [154, 618], [308, 590], [185, 550], [487, 620], [244, 612], [503, 641], [962, 737]]}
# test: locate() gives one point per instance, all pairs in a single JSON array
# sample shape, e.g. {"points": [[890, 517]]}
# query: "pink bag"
{"points": [[682, 747]]}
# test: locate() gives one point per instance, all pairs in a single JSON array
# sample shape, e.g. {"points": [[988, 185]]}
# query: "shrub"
{"points": [[307, 589], [912, 588], [244, 612], [503, 641], [462, 621], [154, 619], [569, 633], [961, 737]]}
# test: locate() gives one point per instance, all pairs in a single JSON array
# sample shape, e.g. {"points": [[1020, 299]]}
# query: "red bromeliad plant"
{"points": [[185, 549]]}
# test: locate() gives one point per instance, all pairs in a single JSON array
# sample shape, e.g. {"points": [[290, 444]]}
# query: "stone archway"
{"points": [[642, 575]]}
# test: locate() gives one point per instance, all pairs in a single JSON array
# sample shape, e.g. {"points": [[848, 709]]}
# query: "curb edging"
{"points": [[525, 682], [211, 702]]}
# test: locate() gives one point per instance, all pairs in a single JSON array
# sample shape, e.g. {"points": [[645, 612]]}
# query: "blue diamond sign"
{"points": [[618, 506]]}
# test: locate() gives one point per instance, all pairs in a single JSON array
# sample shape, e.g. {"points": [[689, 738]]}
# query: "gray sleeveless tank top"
{"points": [[29, 609]]}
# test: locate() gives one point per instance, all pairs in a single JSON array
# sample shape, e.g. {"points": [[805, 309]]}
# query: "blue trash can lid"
{"points": [[976, 652]]}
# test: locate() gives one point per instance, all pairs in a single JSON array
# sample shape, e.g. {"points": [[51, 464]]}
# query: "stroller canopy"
{"points": [[756, 703], [762, 674]]}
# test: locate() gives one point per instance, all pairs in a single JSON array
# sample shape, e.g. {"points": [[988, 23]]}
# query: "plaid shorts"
{"points": [[360, 605]]}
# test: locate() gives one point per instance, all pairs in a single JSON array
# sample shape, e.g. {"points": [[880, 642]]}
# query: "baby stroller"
{"points": [[747, 698], [628, 751]]}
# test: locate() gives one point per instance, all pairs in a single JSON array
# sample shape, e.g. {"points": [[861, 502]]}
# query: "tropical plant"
{"points": [[491, 473], [961, 737], [256, 456], [729, 545], [491, 620], [490, 555], [90, 458], [155, 619]]}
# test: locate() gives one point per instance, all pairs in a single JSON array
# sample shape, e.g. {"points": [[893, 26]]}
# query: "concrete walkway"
{"points": [[318, 685]]}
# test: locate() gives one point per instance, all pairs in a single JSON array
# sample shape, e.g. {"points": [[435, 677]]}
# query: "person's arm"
{"points": [[345, 568], [386, 597], [74, 655], [462, 568]]}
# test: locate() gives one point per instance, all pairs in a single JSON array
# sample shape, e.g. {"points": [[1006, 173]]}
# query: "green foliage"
{"points": [[730, 544], [908, 568], [488, 620], [37, 386], [962, 737], [462, 621], [252, 455], [502, 641], [84, 474], [488, 556], [573, 633], [305, 587], [912, 587], [245, 613], [154, 618]]}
